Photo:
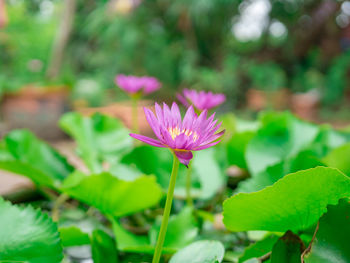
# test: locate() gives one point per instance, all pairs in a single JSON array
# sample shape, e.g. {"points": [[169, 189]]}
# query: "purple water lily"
{"points": [[193, 133], [134, 85], [201, 100]]}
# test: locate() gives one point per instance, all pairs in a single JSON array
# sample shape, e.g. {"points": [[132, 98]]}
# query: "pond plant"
{"points": [[275, 190], [193, 133]]}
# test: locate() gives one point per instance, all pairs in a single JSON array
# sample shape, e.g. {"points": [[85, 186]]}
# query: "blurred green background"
{"points": [[261, 53]]}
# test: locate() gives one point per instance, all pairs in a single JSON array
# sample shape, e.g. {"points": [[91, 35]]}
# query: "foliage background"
{"points": [[226, 46]]}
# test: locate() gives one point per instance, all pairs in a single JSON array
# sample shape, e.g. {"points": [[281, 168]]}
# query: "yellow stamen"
{"points": [[175, 131]]}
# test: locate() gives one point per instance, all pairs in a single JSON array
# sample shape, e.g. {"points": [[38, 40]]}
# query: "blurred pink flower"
{"points": [[193, 133], [133, 84], [201, 100]]}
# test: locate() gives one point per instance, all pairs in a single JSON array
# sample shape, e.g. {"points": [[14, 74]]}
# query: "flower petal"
{"points": [[189, 118], [159, 113], [213, 138], [147, 140], [153, 122], [175, 111], [182, 99], [184, 156], [205, 146]]}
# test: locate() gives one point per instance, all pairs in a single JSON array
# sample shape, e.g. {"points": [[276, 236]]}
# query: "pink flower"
{"points": [[134, 84], [193, 133], [201, 100]]}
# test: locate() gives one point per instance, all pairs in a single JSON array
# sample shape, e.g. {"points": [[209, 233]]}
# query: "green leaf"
{"points": [[31, 157], [287, 249], [73, 236], [103, 248], [338, 158], [127, 241], [236, 148], [100, 138], [304, 160], [206, 173], [259, 248], [112, 195], [308, 156], [281, 136], [182, 230], [332, 239], [27, 235], [294, 203], [152, 160], [204, 251]]}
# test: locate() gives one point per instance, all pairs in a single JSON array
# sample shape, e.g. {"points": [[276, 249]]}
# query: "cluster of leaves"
{"points": [[290, 183]]}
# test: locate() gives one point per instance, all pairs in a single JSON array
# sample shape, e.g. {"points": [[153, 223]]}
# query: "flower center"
{"points": [[175, 131]]}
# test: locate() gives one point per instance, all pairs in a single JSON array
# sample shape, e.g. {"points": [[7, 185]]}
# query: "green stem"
{"points": [[188, 185], [135, 120], [166, 214], [56, 206]]}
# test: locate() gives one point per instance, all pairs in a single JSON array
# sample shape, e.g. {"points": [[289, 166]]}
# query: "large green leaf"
{"points": [[204, 251], [27, 235], [332, 239], [112, 195], [295, 202], [100, 138], [31, 157]]}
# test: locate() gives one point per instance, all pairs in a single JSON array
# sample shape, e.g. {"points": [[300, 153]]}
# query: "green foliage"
{"points": [[27, 235], [207, 174], [73, 236], [267, 76], [332, 239], [287, 249], [259, 248], [124, 228], [26, 155], [236, 148], [25, 46], [281, 136], [204, 251], [127, 241], [103, 248], [282, 144], [113, 196], [338, 158], [295, 202], [100, 138], [182, 230]]}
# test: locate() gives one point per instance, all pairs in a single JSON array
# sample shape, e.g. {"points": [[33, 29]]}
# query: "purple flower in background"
{"points": [[193, 133], [137, 85], [201, 100]]}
